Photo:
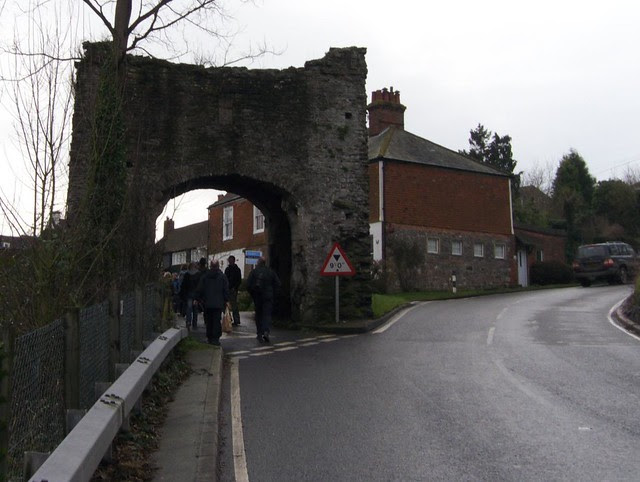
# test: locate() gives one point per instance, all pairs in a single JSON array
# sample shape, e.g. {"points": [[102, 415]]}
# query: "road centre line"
{"points": [[501, 314], [286, 348], [239, 454], [395, 319], [492, 330]]}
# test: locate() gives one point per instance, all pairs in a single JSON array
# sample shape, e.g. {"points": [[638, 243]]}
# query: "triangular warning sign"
{"points": [[337, 263]]}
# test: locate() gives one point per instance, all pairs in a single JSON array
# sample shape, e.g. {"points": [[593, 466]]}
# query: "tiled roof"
{"points": [[397, 144], [187, 237], [227, 198]]}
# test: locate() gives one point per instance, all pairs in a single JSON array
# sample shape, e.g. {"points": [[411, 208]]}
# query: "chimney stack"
{"points": [[385, 110], [169, 225]]}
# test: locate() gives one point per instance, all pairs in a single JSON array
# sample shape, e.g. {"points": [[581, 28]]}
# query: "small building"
{"points": [[236, 227], [537, 244], [182, 245]]}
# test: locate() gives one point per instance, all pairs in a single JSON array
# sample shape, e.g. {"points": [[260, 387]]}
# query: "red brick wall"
{"points": [[419, 195], [243, 236], [552, 246]]}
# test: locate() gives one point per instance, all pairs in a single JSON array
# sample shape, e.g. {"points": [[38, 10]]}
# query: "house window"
{"points": [[179, 257], [258, 221], [456, 247], [6, 244], [478, 250], [540, 255], [227, 223], [433, 245], [198, 253], [499, 251]]}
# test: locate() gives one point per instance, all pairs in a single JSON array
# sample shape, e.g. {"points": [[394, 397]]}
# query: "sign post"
{"points": [[337, 264]]}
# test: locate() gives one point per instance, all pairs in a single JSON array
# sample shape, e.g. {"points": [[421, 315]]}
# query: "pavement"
{"points": [[189, 437]]}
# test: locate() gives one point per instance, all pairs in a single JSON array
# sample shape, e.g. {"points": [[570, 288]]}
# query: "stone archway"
{"points": [[293, 141]]}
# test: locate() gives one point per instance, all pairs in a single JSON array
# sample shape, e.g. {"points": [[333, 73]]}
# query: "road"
{"points": [[527, 386]]}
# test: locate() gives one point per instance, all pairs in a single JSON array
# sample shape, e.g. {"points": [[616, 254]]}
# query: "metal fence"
{"points": [[94, 350], [56, 367], [37, 394]]}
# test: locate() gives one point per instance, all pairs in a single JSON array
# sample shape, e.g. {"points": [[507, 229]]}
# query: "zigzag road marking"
{"points": [[286, 346]]}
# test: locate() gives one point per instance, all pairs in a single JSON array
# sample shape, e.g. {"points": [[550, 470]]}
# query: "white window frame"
{"points": [[478, 250], [178, 258], [540, 255], [198, 253], [454, 252], [6, 244], [500, 251], [433, 245], [258, 221], [227, 223]]}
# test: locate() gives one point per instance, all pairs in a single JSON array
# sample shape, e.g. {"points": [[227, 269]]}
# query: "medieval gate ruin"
{"points": [[293, 142]]}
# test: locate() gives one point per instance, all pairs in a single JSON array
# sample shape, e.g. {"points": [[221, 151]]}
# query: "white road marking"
{"points": [[492, 330], [239, 454], [311, 343], [395, 319], [504, 310], [286, 348], [285, 343], [612, 321]]}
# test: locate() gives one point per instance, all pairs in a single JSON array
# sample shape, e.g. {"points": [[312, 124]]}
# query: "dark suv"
{"points": [[614, 262]]}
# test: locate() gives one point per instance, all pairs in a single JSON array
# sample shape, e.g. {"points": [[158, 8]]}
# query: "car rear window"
{"points": [[589, 251]]}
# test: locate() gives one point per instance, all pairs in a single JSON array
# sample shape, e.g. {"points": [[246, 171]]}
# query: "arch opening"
{"points": [[278, 209]]}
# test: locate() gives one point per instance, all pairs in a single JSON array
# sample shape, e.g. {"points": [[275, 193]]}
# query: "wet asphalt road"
{"points": [[527, 386]]}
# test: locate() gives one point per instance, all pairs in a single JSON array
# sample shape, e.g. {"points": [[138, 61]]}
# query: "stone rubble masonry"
{"points": [[293, 142]]}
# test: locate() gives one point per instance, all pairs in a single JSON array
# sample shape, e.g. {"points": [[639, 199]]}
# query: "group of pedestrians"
{"points": [[211, 291]]}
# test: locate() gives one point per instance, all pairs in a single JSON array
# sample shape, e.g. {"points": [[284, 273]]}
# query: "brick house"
{"points": [[434, 213], [236, 227], [183, 245]]}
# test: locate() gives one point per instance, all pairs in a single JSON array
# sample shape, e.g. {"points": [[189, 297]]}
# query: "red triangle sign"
{"points": [[337, 263]]}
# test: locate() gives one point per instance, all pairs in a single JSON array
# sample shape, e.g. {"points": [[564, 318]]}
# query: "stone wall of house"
{"points": [[293, 142], [410, 267]]}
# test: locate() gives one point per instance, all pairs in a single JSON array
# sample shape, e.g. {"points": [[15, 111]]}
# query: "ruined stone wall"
{"points": [[292, 141]]}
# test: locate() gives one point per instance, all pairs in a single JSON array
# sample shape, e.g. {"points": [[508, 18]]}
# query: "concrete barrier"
{"points": [[79, 454]]}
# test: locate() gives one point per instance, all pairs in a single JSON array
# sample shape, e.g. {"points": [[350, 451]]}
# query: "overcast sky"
{"points": [[552, 74]]}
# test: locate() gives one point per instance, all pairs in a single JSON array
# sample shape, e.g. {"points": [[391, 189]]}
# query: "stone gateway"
{"points": [[293, 142]]}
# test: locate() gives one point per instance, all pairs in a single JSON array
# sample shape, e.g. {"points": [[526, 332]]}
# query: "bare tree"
{"points": [[40, 98], [130, 23], [540, 177]]}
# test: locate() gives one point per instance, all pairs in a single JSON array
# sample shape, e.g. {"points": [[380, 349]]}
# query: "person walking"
{"points": [[213, 293], [188, 292], [234, 276], [263, 284]]}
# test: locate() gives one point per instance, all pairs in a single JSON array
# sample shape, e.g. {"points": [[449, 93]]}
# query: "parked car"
{"points": [[614, 262]]}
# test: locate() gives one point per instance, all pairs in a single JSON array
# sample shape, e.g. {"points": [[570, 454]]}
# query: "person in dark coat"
{"points": [[213, 293], [234, 276], [263, 284], [188, 294]]}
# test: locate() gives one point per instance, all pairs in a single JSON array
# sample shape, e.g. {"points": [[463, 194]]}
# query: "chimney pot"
{"points": [[385, 110]]}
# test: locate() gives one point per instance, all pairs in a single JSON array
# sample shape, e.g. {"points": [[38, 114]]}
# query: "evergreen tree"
{"points": [[573, 189]]}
